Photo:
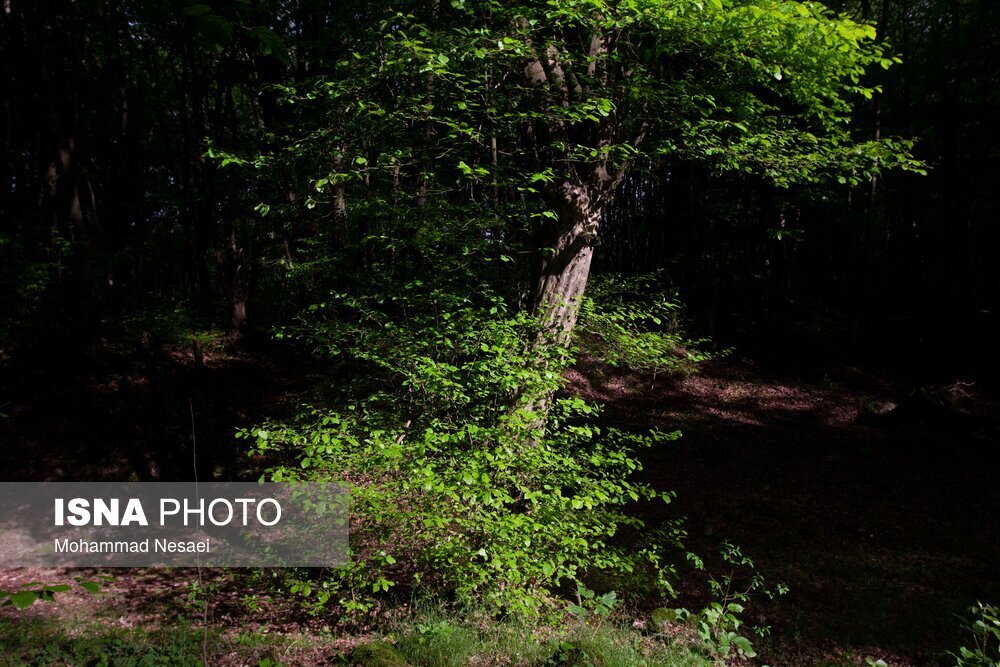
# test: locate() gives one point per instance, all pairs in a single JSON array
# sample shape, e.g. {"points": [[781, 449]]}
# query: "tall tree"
{"points": [[573, 93]]}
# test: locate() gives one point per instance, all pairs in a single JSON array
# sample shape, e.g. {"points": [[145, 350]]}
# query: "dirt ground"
{"points": [[876, 502]]}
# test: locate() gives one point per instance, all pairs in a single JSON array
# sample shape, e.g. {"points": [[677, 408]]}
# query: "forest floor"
{"points": [[873, 499]]}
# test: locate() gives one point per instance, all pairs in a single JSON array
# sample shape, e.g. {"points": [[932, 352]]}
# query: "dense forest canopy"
{"points": [[196, 153]]}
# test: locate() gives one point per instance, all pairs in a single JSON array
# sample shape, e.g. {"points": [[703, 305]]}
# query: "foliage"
{"points": [[590, 605], [612, 648], [984, 626], [44, 642], [150, 329], [719, 624], [395, 168], [756, 87], [441, 644], [29, 593], [458, 486], [292, 148], [634, 323], [289, 144], [115, 648]]}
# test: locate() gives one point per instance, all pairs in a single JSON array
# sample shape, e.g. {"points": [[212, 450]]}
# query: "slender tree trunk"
{"points": [[230, 262], [339, 204]]}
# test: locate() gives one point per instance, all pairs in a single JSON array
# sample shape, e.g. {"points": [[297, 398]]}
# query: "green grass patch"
{"points": [[434, 639], [45, 642]]}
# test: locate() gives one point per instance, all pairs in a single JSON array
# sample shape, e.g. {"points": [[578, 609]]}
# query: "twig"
{"points": [[201, 587]]}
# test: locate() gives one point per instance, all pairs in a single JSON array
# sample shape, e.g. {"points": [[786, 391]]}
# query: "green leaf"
{"points": [[744, 646], [58, 588], [91, 586], [214, 32], [23, 599], [271, 44], [196, 10]]}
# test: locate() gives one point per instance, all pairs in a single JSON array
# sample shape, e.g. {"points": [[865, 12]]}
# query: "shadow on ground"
{"points": [[129, 418], [875, 503]]}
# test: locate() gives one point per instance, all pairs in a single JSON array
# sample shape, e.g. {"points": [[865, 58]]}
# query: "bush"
{"points": [[463, 486], [635, 323], [984, 626]]}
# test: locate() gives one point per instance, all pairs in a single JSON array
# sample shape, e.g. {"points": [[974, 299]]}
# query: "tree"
{"points": [[561, 99]]}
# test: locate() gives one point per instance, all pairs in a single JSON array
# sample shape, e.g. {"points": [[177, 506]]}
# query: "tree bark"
{"points": [[566, 248], [340, 232], [230, 263]]}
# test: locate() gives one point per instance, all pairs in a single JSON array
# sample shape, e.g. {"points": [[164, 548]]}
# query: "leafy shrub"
{"points": [[719, 625], [462, 487], [984, 626], [635, 323]]}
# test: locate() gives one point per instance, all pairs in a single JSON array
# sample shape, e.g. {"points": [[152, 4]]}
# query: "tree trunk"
{"points": [[231, 264], [339, 204], [566, 250]]}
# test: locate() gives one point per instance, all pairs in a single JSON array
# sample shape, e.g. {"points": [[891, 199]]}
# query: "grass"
{"points": [[43, 642], [434, 639], [429, 639]]}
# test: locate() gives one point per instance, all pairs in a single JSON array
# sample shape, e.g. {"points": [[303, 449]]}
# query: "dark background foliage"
{"points": [[109, 204]]}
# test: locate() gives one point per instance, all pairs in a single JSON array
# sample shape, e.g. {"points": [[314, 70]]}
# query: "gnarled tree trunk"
{"points": [[566, 250]]}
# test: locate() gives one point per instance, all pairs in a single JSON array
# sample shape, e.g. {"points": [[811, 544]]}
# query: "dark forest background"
{"points": [[110, 205]]}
